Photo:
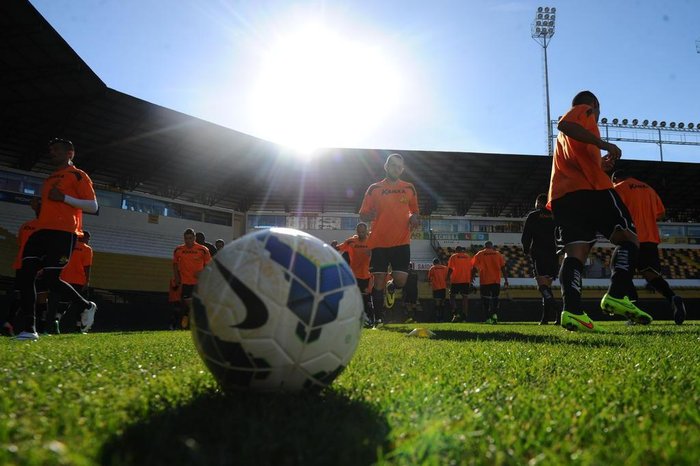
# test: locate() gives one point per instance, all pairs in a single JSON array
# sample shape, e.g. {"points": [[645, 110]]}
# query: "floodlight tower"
{"points": [[542, 30]]}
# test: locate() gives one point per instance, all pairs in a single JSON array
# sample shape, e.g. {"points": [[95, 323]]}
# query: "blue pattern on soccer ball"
{"points": [[346, 274], [305, 270], [330, 278], [300, 301], [327, 310], [279, 251]]}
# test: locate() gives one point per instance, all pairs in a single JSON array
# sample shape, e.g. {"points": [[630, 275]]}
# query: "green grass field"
{"points": [[474, 394]]}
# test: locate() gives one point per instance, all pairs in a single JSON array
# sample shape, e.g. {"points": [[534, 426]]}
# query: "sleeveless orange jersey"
{"points": [[23, 234], [437, 276], [576, 165], [359, 256], [461, 265], [644, 205], [74, 271], [392, 204], [56, 215], [489, 263], [190, 261]]}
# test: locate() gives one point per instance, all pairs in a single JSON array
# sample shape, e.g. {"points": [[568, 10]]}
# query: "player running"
{"points": [[66, 193], [539, 242], [437, 277], [392, 207], [189, 259], [77, 274], [491, 266], [583, 202], [459, 276], [646, 208], [358, 254]]}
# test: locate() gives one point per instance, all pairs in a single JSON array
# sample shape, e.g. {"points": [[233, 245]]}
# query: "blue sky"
{"points": [[402, 74]]}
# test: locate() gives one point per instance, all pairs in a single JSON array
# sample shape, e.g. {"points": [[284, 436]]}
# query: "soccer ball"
{"points": [[276, 309]]}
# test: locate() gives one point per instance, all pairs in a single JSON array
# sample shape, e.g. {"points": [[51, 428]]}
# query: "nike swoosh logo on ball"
{"points": [[256, 311]]}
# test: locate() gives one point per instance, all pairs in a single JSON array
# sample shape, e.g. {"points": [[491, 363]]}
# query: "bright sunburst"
{"points": [[318, 89]]}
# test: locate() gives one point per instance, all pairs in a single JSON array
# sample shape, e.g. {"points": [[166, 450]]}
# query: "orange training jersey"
{"points": [[359, 256], [23, 234], [437, 276], [576, 165], [74, 271], [644, 205], [56, 215], [489, 263], [392, 204], [190, 261], [461, 265]]}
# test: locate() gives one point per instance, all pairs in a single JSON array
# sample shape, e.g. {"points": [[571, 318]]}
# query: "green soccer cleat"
{"points": [[389, 294], [579, 322], [624, 307], [492, 320]]}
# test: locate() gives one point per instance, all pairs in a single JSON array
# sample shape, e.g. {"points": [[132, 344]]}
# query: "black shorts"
{"points": [[398, 257], [440, 294], [460, 288], [648, 258], [187, 291], [490, 291], [362, 284], [579, 215], [545, 265], [51, 247]]}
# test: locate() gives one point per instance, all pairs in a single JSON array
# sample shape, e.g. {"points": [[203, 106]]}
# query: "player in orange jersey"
{"points": [[392, 207], [491, 266], [189, 260], [459, 276], [66, 193], [77, 274], [23, 234], [584, 203], [646, 208], [437, 277], [358, 254]]}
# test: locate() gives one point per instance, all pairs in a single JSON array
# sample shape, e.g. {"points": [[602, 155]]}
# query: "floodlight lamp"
{"points": [[681, 125], [673, 124], [546, 9], [604, 121], [539, 9], [546, 16], [634, 122], [615, 120], [551, 17], [553, 10], [645, 122], [690, 125], [539, 16], [624, 121], [697, 125], [654, 123], [662, 124]]}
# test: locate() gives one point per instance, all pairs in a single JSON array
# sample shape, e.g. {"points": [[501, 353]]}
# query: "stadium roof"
{"points": [[46, 90]]}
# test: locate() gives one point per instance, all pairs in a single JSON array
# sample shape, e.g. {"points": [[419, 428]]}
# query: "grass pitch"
{"points": [[474, 394]]}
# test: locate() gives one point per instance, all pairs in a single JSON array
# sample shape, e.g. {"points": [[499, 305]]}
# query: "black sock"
{"points": [[378, 302], [570, 277], [622, 264], [662, 287], [485, 303], [548, 302]]}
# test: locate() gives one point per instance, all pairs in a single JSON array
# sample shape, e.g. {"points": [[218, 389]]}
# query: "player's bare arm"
{"points": [[581, 134]]}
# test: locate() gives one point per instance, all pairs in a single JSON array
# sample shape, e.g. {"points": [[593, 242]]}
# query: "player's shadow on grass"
{"points": [[250, 429], [492, 334]]}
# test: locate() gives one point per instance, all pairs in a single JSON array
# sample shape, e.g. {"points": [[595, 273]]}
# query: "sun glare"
{"points": [[318, 89]]}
